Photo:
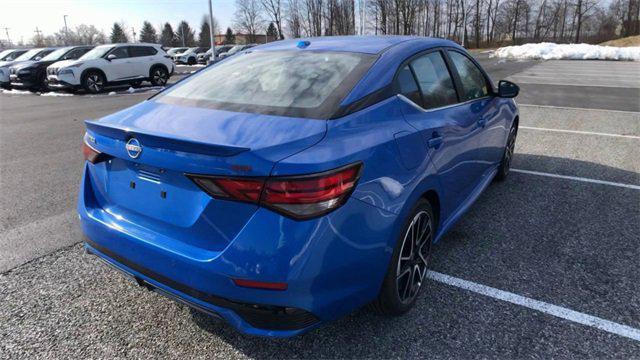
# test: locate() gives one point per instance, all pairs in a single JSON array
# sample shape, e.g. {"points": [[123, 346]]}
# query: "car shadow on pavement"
{"points": [[510, 231]]}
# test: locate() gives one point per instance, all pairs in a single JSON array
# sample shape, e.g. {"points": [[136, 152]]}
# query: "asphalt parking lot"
{"points": [[543, 265]]}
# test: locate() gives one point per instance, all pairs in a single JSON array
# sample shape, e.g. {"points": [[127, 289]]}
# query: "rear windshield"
{"points": [[288, 83]]}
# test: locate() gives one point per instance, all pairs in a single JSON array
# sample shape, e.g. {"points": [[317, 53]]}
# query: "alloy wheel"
{"points": [[159, 77], [508, 154], [414, 257], [94, 83]]}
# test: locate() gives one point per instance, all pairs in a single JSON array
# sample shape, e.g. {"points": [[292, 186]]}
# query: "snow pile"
{"points": [[18, 92], [56, 94], [552, 51], [132, 90]]}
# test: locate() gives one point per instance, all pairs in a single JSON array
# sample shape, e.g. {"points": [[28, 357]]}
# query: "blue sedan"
{"points": [[291, 184]]}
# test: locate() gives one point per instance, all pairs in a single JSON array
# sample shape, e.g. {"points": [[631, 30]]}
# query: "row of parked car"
{"points": [[202, 55], [91, 68]]}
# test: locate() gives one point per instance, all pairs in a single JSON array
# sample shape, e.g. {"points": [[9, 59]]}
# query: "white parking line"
{"points": [[550, 309], [575, 108], [580, 132], [577, 178]]}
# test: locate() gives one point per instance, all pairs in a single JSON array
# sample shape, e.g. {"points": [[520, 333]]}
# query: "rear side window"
{"points": [[137, 51], [407, 85], [474, 84], [434, 81], [290, 83], [120, 52]]}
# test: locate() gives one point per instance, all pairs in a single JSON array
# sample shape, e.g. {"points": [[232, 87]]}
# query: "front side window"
{"points": [[434, 81], [290, 83], [120, 52], [474, 84]]}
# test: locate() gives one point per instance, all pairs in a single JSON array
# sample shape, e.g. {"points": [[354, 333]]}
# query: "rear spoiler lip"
{"points": [[162, 141]]}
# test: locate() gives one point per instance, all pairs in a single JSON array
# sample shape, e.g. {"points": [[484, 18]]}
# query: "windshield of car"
{"points": [[289, 83], [235, 49], [56, 54], [5, 54], [28, 55], [96, 53]]}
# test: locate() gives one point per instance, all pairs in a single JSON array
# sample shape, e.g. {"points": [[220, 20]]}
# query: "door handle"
{"points": [[435, 141], [482, 122]]}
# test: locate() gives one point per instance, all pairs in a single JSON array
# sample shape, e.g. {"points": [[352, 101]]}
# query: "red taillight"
{"points": [[260, 284], [90, 154], [300, 197], [248, 190]]}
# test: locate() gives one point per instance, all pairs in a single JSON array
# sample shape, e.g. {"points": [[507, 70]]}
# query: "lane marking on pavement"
{"points": [[550, 309], [579, 132], [576, 108], [577, 178], [517, 79]]}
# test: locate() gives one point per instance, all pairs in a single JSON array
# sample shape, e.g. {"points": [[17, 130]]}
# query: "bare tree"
{"points": [[273, 8], [248, 18], [294, 19]]}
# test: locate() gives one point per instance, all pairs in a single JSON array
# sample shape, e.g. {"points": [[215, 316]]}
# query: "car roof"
{"points": [[129, 44], [360, 44]]}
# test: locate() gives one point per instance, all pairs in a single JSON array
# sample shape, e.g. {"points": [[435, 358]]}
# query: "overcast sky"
{"points": [[22, 16]]}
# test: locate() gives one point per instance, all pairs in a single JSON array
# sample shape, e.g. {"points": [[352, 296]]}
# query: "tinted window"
{"points": [[407, 86], [290, 83], [142, 51], [474, 84], [120, 52], [76, 53], [43, 53], [434, 80]]}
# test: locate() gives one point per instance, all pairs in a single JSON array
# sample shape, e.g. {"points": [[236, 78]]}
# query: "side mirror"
{"points": [[38, 58], [111, 57], [507, 89]]}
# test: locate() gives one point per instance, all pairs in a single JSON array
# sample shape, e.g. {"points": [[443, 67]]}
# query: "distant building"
{"points": [[244, 38]]}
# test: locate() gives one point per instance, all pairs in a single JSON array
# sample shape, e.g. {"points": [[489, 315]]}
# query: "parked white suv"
{"points": [[112, 64]]}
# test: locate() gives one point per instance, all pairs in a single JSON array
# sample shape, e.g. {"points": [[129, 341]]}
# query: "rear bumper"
{"points": [[332, 265], [256, 318]]}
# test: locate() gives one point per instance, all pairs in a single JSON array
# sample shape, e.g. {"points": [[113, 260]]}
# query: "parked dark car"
{"points": [[32, 74], [205, 57], [30, 55]]}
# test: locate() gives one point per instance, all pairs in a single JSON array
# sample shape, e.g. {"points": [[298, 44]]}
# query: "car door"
{"points": [[448, 131], [142, 59], [479, 103], [119, 68]]}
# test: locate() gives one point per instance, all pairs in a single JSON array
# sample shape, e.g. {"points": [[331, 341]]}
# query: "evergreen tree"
{"points": [[229, 37], [204, 38], [185, 34], [148, 33], [118, 35], [272, 33], [167, 37]]}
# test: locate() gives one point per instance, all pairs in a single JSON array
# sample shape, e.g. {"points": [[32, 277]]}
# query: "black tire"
{"points": [[191, 61], [158, 76], [507, 156], [93, 82], [396, 296]]}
